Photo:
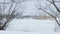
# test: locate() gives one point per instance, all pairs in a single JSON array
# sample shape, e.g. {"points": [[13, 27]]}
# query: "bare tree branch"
{"points": [[8, 17], [55, 6], [51, 15], [47, 12], [10, 7], [53, 2]]}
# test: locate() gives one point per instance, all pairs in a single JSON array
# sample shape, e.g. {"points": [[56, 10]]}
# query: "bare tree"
{"points": [[6, 18], [53, 2]]}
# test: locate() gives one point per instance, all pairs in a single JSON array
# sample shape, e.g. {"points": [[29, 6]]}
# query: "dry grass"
{"points": [[44, 17]]}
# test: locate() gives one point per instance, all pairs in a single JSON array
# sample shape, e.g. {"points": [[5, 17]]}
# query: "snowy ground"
{"points": [[31, 25]]}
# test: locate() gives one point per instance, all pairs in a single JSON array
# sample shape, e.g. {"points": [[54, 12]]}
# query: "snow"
{"points": [[57, 27], [31, 25], [17, 32]]}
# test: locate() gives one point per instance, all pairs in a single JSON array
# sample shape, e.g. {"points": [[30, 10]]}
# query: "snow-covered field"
{"points": [[31, 25]]}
